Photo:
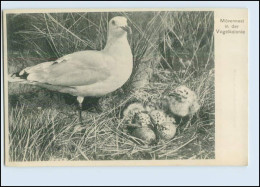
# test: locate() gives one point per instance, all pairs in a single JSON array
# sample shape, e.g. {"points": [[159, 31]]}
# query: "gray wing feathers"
{"points": [[77, 69]]}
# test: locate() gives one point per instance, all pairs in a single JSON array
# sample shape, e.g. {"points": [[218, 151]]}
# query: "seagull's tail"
{"points": [[21, 78], [15, 77]]}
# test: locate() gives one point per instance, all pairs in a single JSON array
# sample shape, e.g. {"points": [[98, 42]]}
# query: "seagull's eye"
{"points": [[113, 22]]}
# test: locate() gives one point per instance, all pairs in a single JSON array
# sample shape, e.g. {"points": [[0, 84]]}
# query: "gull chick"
{"points": [[182, 101], [86, 73]]}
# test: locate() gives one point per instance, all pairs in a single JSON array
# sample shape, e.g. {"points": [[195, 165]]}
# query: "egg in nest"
{"points": [[157, 116], [143, 119], [146, 134], [166, 130], [164, 124]]}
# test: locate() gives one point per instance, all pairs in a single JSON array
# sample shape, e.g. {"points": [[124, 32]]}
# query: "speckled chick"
{"points": [[131, 110], [182, 101]]}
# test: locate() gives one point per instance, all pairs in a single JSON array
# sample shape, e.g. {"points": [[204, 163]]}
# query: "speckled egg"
{"points": [[157, 117], [147, 135], [143, 119], [166, 130]]}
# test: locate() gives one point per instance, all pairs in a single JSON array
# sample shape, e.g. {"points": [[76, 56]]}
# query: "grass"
{"points": [[44, 125]]}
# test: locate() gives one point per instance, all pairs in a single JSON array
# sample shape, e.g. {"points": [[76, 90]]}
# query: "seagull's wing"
{"points": [[76, 69]]}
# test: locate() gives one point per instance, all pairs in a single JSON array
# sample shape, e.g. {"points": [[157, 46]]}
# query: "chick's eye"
{"points": [[113, 22]]}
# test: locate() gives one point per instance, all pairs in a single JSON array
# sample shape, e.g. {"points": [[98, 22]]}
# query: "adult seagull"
{"points": [[86, 73]]}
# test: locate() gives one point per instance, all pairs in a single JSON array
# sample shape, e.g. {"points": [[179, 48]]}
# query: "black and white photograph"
{"points": [[111, 86]]}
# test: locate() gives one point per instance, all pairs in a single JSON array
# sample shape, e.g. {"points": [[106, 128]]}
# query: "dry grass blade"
{"points": [[81, 152], [87, 43], [175, 150]]}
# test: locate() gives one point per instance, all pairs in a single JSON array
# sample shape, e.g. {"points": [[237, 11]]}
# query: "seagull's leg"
{"points": [[80, 100]]}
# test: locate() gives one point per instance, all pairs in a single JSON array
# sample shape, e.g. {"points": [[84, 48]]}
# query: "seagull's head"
{"points": [[118, 26]]}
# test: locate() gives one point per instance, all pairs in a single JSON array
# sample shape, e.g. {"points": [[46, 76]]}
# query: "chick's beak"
{"points": [[127, 29]]}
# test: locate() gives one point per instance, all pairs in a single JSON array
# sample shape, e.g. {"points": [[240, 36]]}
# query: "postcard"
{"points": [[126, 87]]}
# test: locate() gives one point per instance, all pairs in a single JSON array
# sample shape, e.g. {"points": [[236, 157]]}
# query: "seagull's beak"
{"points": [[127, 29]]}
